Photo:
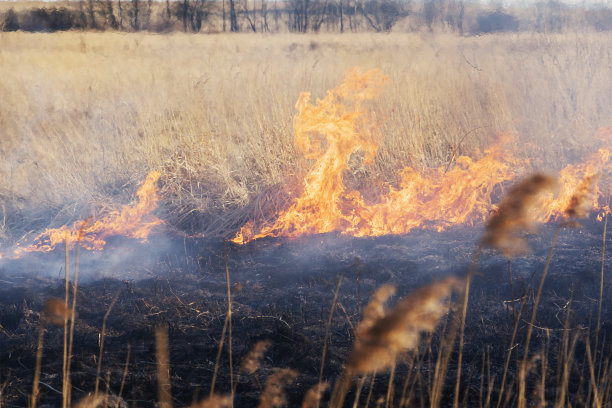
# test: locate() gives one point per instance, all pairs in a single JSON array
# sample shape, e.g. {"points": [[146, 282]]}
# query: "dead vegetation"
{"points": [[100, 111]]}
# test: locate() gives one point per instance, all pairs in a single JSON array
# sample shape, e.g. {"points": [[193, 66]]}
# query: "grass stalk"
{"points": [[601, 282], [522, 402], [371, 390], [466, 296], [358, 391], [229, 320], [39, 351], [510, 280], [407, 379], [102, 340], [73, 311], [444, 354], [163, 367], [218, 359], [510, 348], [597, 401], [389, 399], [227, 323], [67, 294], [125, 371], [567, 367], [341, 387], [327, 328]]}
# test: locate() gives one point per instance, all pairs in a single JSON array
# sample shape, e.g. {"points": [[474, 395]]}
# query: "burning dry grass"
{"points": [[87, 115], [89, 133]]}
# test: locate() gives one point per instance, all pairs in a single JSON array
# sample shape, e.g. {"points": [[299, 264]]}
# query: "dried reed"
{"points": [[227, 323], [274, 395], [163, 367], [327, 327], [251, 362], [53, 313], [73, 311], [110, 307], [514, 215], [125, 371], [601, 278], [65, 354], [578, 207], [382, 335], [523, 369], [313, 397], [215, 401], [582, 200]]}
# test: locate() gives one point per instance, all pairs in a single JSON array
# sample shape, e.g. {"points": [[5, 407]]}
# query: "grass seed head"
{"points": [[214, 401], [514, 215], [253, 359], [399, 329], [376, 308], [274, 395], [582, 199], [313, 397], [101, 401], [55, 312]]}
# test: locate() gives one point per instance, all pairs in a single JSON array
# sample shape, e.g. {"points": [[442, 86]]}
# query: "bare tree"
{"points": [[135, 15], [92, 14], [233, 17], [111, 20]]}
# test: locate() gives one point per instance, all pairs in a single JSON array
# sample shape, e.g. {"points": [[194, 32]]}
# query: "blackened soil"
{"points": [[283, 291]]}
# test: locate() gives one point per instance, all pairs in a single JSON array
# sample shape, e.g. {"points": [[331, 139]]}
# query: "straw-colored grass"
{"points": [[86, 115]]}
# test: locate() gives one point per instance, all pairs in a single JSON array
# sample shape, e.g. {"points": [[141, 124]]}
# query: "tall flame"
{"points": [[134, 222], [440, 198], [334, 128]]}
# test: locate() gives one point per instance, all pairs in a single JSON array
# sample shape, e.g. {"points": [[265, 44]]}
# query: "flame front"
{"points": [[336, 127], [134, 222], [438, 198]]}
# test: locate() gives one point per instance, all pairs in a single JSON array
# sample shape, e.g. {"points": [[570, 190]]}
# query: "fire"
{"points": [[575, 177], [336, 127], [134, 222], [331, 130]]}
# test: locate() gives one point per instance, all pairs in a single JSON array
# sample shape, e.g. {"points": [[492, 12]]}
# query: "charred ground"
{"points": [[283, 291]]}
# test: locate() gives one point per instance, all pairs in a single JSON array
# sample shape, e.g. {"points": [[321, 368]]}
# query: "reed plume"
{"points": [[274, 395], [214, 401], [380, 340], [54, 312], [582, 200], [376, 308], [90, 401], [101, 401], [312, 399], [251, 362], [514, 215]]}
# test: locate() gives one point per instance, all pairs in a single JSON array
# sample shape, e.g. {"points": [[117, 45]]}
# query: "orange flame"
{"points": [[574, 177], [134, 222], [439, 198], [336, 127]]}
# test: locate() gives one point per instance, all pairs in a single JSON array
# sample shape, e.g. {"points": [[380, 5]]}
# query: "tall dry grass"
{"points": [[85, 115]]}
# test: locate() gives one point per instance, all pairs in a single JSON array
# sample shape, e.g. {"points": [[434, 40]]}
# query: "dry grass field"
{"points": [[211, 119], [84, 115]]}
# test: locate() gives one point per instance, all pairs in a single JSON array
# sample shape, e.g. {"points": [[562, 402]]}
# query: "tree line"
{"points": [[295, 16]]}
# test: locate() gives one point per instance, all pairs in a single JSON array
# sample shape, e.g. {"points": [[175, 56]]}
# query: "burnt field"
{"points": [[283, 291]]}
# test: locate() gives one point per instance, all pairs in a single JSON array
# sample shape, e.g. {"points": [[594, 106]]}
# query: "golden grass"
{"points": [[87, 114]]}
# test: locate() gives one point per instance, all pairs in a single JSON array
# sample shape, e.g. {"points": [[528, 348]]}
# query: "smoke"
{"points": [[122, 259]]}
